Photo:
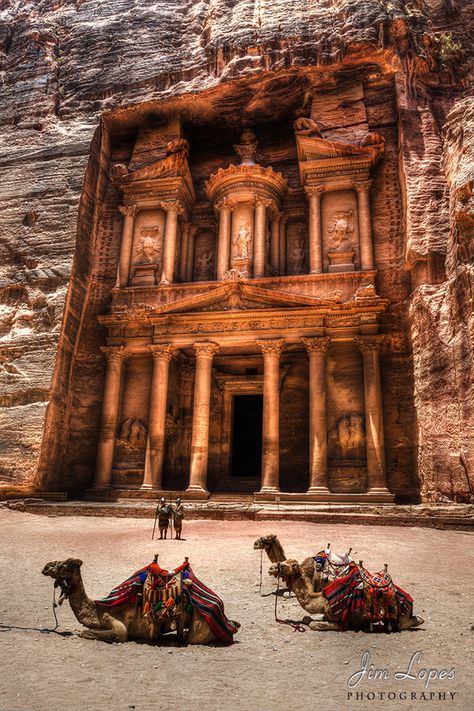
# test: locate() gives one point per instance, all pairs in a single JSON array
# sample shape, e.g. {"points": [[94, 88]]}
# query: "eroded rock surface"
{"points": [[66, 63]]}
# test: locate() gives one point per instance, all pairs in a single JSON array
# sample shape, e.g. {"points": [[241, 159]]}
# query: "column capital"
{"points": [[171, 206], [265, 202], [164, 351], [114, 354], [206, 349], [271, 347], [367, 344], [225, 203], [317, 344], [314, 190], [362, 186], [128, 210]]}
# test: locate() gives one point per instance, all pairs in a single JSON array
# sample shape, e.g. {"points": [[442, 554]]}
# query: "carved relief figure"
{"points": [[341, 230], [133, 433], [203, 266], [297, 256], [241, 241], [347, 439], [148, 248]]}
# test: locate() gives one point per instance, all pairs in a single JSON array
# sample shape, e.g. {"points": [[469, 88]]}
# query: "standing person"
{"points": [[164, 515], [178, 515]]}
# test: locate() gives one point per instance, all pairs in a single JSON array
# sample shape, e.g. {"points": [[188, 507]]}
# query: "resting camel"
{"points": [[274, 550], [122, 622], [316, 604]]}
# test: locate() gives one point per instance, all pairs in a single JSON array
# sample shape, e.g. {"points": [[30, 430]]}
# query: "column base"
{"points": [[381, 492], [267, 493], [319, 490], [197, 492], [150, 487]]}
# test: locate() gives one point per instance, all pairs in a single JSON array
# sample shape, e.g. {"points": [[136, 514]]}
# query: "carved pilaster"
{"points": [[365, 229]]}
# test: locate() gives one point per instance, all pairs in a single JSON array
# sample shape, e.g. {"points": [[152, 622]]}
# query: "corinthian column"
{"points": [[109, 418], [202, 401], [365, 229], [282, 240], [275, 242], [259, 236], [224, 208], [129, 213], [318, 468], [370, 347], [173, 209], [271, 350], [315, 238], [183, 257], [156, 442]]}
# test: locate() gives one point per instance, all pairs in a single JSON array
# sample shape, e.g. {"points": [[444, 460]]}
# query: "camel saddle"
{"points": [[162, 593], [380, 597], [331, 565]]}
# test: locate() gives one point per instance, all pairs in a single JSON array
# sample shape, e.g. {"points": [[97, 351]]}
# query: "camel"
{"points": [[122, 622], [274, 550], [316, 604]]}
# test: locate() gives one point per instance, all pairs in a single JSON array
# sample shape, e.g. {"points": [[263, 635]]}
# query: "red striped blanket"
{"points": [[206, 602]]}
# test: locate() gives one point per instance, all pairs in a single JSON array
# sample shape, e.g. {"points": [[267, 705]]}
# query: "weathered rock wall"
{"points": [[66, 63]]}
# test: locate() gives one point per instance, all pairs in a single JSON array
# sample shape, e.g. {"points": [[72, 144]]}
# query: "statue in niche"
{"points": [[346, 440], [341, 230], [148, 247], [242, 241], [133, 433], [297, 256], [203, 266]]}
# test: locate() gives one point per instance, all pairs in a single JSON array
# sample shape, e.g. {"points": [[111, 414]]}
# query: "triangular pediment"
{"points": [[242, 297]]}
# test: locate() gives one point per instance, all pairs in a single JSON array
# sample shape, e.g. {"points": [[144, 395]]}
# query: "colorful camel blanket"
{"points": [[347, 594], [206, 602]]}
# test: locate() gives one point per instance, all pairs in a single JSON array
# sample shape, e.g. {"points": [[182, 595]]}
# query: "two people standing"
{"points": [[165, 513]]}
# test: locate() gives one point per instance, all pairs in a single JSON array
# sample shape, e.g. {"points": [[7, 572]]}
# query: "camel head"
{"points": [[286, 570], [265, 542], [63, 571]]}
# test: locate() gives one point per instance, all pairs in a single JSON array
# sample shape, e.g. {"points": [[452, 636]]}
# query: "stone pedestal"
{"points": [[244, 266], [144, 275], [341, 262]]}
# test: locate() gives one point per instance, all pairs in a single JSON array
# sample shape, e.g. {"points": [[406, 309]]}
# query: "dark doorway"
{"points": [[247, 436]]}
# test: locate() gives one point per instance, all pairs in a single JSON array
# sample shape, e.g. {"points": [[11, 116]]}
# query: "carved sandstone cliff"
{"points": [[66, 66]]}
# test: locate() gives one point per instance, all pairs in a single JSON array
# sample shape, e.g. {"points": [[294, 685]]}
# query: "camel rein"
{"points": [[295, 625], [45, 630]]}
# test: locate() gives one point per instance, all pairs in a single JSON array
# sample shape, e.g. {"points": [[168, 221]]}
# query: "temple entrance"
{"points": [[246, 452]]}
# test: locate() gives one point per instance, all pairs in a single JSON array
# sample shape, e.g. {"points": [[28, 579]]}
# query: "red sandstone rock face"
{"points": [[63, 63]]}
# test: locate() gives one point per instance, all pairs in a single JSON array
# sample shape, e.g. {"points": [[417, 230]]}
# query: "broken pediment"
{"points": [[243, 297]]}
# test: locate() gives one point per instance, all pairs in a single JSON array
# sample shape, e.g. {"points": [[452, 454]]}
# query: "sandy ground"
{"points": [[270, 667]]}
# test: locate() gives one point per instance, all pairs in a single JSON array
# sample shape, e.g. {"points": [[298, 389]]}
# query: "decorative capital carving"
{"points": [[128, 210], [234, 275], [366, 344], [362, 186], [171, 206], [317, 344], [114, 354], [207, 349], [226, 203], [314, 191], [164, 351], [265, 202], [272, 347]]}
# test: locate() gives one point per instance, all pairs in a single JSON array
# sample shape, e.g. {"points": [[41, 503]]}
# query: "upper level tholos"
{"points": [[249, 220]]}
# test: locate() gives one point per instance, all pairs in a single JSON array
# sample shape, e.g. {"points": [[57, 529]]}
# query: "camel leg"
{"points": [[116, 633], [324, 626], [406, 623]]}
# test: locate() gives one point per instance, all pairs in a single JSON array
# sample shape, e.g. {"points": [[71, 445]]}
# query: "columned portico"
{"points": [[156, 442], [376, 474], [318, 468], [109, 418], [201, 412], [271, 350]]}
